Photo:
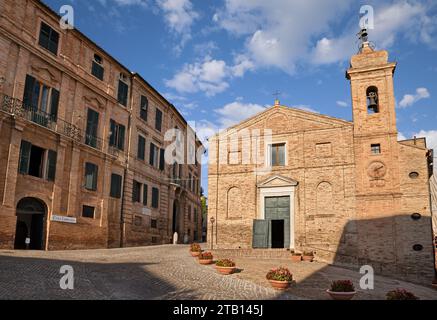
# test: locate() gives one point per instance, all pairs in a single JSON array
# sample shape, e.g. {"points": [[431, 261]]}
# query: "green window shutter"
{"points": [[158, 119], [162, 159], [141, 147], [51, 165], [152, 154], [28, 90], [144, 107], [155, 197], [54, 104], [115, 186], [120, 143], [112, 135], [260, 233], [145, 194], [122, 92], [24, 157]]}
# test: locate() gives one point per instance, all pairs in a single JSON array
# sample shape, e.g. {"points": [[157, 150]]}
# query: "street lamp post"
{"points": [[212, 231]]}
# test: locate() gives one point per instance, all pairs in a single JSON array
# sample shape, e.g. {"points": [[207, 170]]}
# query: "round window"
{"points": [[416, 216], [417, 247], [413, 175]]}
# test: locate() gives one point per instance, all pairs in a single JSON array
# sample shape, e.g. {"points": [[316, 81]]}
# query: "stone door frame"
{"points": [[286, 188]]}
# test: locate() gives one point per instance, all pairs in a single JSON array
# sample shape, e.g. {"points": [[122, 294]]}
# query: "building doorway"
{"points": [[277, 233], [29, 231]]}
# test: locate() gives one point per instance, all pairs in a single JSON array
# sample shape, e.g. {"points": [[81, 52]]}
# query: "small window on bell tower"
{"points": [[372, 100]]}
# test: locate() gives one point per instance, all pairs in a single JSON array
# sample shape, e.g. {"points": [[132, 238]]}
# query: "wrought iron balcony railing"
{"points": [[17, 108]]}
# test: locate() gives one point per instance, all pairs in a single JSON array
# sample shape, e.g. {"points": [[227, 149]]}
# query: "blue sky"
{"points": [[221, 61]]}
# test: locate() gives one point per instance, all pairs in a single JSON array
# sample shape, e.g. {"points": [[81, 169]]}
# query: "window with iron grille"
{"points": [[277, 154]]}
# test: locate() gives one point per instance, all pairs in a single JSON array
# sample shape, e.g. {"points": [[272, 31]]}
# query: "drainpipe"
{"points": [[126, 165]]}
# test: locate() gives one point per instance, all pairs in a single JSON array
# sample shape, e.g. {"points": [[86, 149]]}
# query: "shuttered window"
{"points": [[24, 157], [48, 38], [161, 159], [158, 119], [155, 197], [116, 139], [123, 89], [136, 192], [51, 165], [144, 104], [40, 97], [141, 147], [154, 155], [115, 186]]}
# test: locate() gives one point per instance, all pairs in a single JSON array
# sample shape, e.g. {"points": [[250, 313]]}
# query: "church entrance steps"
{"points": [[252, 253]]}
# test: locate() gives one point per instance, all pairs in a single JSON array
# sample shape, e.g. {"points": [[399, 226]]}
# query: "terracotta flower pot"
{"points": [[341, 295], [296, 258], [308, 258], [225, 270], [205, 261], [194, 253], [279, 285]]}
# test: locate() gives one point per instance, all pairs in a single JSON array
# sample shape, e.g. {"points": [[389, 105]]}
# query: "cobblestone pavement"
{"points": [[158, 272], [313, 278]]}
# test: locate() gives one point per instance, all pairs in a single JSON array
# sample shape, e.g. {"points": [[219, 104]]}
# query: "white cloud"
{"points": [[209, 76], [179, 16], [341, 103], [242, 65], [431, 138], [143, 3], [237, 111], [401, 136], [392, 21], [284, 33], [410, 99]]}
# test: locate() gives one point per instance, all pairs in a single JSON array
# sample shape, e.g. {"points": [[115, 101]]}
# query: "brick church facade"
{"points": [[348, 191], [82, 142]]}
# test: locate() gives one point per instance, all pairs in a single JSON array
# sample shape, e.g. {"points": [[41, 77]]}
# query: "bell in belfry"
{"points": [[373, 99]]}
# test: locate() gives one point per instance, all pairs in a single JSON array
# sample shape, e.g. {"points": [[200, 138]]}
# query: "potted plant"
{"points": [[308, 256], [280, 278], [342, 290], [296, 257], [195, 249], [401, 294], [225, 266], [205, 258]]}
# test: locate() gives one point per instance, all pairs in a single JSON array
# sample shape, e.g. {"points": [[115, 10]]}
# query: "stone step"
{"points": [[252, 253]]}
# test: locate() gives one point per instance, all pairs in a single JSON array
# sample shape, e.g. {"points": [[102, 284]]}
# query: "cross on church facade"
{"points": [[276, 95]]}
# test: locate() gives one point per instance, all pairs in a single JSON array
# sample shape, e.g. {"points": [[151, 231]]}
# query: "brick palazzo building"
{"points": [[82, 144], [349, 191]]}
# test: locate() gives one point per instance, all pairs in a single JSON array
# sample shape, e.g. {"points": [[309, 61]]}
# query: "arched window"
{"points": [[372, 100]]}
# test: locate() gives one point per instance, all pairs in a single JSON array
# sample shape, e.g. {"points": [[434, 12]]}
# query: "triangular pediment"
{"points": [[277, 181], [283, 119]]}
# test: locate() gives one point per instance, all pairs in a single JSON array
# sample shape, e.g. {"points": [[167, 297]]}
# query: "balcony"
{"points": [[17, 108]]}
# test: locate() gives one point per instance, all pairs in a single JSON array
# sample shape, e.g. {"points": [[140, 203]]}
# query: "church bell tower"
{"points": [[375, 133]]}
